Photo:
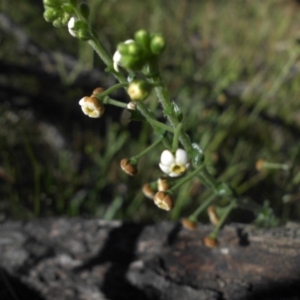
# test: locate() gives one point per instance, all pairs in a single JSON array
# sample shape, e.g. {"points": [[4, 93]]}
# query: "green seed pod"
{"points": [[158, 44], [84, 9], [142, 37]]}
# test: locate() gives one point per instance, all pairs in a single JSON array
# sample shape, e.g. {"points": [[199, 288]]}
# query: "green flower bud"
{"points": [[52, 3], [57, 23], [123, 48], [142, 37], [223, 189], [138, 90], [73, 2], [134, 49], [84, 9], [157, 44], [197, 155], [84, 34], [131, 63], [68, 8], [50, 15]]}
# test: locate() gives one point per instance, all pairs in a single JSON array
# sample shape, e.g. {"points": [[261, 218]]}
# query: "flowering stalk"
{"points": [[139, 57]]}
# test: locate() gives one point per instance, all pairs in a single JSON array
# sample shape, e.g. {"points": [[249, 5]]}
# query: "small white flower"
{"points": [[174, 165], [71, 26], [117, 56], [91, 107]]}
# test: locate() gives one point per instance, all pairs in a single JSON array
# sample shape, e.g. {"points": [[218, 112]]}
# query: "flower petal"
{"points": [[165, 169], [167, 158], [173, 174], [181, 157]]}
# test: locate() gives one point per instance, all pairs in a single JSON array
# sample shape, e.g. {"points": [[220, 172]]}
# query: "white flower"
{"points": [[117, 56], [91, 107], [174, 165], [71, 26]]}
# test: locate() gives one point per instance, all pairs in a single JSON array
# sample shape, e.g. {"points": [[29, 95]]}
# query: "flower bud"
{"points": [[142, 37], [148, 191], [163, 201], [212, 214], [97, 91], [50, 15], [84, 9], [68, 8], [51, 3], [157, 44], [91, 107], [138, 90], [259, 165], [188, 224], [73, 2], [127, 167], [131, 105], [210, 242], [162, 184], [57, 23]]}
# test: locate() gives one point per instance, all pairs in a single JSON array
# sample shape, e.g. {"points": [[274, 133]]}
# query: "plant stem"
{"points": [[193, 217], [225, 214], [164, 98], [112, 89], [108, 100], [136, 157], [180, 182], [176, 137]]}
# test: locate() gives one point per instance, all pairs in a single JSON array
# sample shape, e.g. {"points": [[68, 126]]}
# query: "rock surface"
{"points": [[66, 259]]}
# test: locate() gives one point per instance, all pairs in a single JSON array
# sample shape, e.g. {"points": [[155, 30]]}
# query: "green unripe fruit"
{"points": [[157, 44], [84, 9]]}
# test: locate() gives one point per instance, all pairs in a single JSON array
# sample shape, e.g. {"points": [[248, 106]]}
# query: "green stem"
{"points": [[269, 165], [108, 100], [225, 214], [193, 217], [185, 179], [164, 98], [160, 125], [136, 157], [150, 118], [112, 89], [176, 137]]}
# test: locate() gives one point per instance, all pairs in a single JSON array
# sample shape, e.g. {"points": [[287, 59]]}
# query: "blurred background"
{"points": [[232, 66]]}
